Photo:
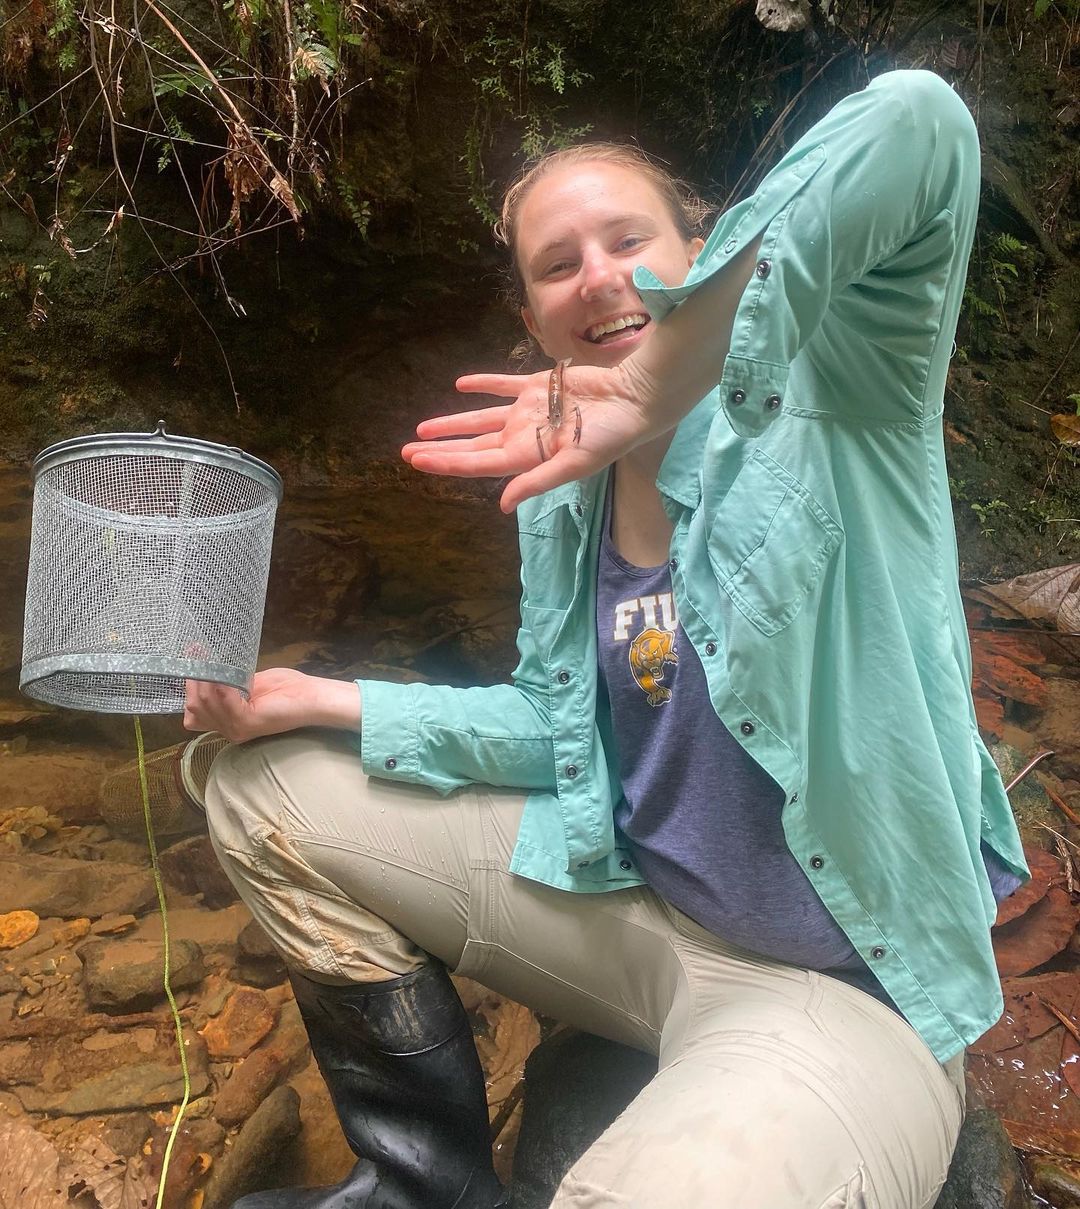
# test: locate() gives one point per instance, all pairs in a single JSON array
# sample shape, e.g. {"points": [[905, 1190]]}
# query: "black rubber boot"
{"points": [[399, 1060]]}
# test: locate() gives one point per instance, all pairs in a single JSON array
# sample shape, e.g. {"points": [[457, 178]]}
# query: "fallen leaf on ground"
{"points": [[29, 1165], [1066, 428], [1051, 595], [1045, 871], [114, 1182], [1026, 1015], [1039, 934]]}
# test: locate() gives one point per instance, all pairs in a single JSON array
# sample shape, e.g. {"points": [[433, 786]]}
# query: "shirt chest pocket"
{"points": [[769, 543]]}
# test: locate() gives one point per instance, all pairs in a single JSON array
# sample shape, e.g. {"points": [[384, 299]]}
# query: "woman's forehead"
{"points": [[583, 192]]}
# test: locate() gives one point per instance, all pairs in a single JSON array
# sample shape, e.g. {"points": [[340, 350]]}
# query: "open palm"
{"points": [[601, 422]]}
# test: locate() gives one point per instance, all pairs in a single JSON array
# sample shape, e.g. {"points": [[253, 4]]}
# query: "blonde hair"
{"points": [[688, 211]]}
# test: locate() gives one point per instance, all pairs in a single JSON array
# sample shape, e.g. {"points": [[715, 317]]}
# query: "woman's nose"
{"points": [[600, 277]]}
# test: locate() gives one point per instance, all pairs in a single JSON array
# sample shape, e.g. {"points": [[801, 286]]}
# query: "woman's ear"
{"points": [[531, 327], [693, 247]]}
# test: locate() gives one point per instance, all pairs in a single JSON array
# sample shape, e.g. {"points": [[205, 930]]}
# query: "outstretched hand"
{"points": [[602, 419], [279, 700]]}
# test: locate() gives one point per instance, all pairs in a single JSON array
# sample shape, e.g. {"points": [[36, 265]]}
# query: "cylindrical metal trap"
{"points": [[176, 784], [149, 556]]}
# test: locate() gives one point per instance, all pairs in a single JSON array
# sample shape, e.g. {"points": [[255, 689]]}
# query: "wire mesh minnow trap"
{"points": [[175, 782], [149, 556]]}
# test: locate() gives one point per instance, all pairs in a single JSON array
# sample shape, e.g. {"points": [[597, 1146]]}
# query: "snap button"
{"points": [[674, 564], [877, 952], [737, 397], [625, 865], [747, 728], [583, 864], [571, 771], [764, 267], [578, 510], [564, 677], [817, 862], [794, 798], [772, 402], [731, 245], [390, 763], [710, 648]]}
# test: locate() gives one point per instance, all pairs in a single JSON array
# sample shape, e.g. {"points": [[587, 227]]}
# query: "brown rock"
{"points": [[113, 925], [17, 927], [192, 867], [123, 975], [75, 1074], [244, 1021], [284, 1051], [64, 783], [252, 1163], [52, 885]]}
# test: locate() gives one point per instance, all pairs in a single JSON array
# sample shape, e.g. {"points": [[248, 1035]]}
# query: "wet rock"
{"points": [[275, 1060], [17, 927], [104, 1071], [321, 577], [985, 1172], [52, 885], [193, 868], [1060, 724], [53, 934], [258, 962], [576, 1085], [215, 932], [252, 1163], [126, 975], [127, 1131], [64, 783], [1058, 1183], [244, 1021], [113, 925]]}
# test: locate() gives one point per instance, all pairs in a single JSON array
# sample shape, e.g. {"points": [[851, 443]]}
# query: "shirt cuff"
{"points": [[389, 732]]}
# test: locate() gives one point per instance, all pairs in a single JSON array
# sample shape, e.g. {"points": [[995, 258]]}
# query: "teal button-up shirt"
{"points": [[814, 566]]}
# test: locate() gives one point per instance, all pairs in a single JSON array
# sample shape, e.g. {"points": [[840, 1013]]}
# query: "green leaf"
{"points": [[1041, 8]]}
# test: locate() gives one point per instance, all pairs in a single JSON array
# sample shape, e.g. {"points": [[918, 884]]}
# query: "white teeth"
{"points": [[616, 325]]}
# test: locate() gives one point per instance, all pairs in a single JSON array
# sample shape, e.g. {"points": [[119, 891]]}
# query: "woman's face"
{"points": [[582, 230]]}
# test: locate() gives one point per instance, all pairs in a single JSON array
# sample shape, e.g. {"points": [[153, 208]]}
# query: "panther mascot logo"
{"points": [[649, 652]]}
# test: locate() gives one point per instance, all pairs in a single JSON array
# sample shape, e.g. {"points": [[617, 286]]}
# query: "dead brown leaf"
{"points": [[1066, 429], [1026, 1015], [114, 1182], [1037, 935], [29, 1168], [1051, 596], [1045, 872]]}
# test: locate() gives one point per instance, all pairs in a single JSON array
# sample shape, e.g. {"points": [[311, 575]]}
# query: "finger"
{"points": [[506, 386], [490, 440], [463, 423], [566, 466], [493, 462]]}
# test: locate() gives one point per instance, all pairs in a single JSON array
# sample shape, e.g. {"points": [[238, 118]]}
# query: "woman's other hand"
{"points": [[603, 417], [279, 700]]}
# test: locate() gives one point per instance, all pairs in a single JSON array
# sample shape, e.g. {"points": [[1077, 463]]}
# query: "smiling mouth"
{"points": [[611, 329]]}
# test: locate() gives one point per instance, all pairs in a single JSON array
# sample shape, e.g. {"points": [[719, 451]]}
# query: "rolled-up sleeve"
{"points": [[859, 187], [445, 737]]}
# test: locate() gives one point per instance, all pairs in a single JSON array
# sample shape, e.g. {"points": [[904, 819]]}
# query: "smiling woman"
{"points": [[691, 822]]}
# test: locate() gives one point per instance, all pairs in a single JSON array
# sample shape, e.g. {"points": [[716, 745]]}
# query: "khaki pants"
{"points": [[778, 1088]]}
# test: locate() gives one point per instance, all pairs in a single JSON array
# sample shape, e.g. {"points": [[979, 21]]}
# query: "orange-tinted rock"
{"points": [[17, 927], [243, 1022]]}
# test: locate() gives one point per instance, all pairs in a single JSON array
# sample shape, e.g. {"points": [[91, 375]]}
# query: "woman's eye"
{"points": [[628, 242], [560, 266]]}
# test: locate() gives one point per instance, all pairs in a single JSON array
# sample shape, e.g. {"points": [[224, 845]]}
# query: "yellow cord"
{"points": [[165, 937]]}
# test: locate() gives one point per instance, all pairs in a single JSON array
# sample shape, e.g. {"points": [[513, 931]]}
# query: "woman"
{"points": [[734, 808]]}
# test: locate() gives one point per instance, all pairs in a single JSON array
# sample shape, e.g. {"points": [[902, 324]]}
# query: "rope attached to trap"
{"points": [[177, 1022]]}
